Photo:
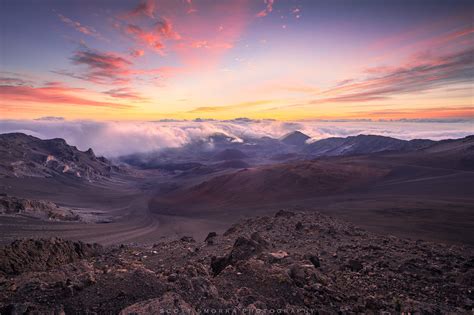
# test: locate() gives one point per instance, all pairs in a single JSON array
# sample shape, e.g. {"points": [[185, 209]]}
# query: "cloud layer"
{"points": [[113, 139]]}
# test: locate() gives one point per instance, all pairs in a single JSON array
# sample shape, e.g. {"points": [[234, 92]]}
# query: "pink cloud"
{"points": [[417, 74], [208, 34], [165, 29], [198, 40], [268, 8], [137, 53], [153, 38], [145, 8]]}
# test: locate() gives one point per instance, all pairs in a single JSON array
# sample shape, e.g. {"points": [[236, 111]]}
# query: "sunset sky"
{"points": [[285, 60]]}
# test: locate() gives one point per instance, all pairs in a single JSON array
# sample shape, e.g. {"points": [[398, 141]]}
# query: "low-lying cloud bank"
{"points": [[112, 139]]}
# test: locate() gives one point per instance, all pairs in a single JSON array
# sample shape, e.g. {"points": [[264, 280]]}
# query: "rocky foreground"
{"points": [[297, 262]]}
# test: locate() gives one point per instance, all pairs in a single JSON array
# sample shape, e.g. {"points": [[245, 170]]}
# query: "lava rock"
{"points": [[169, 303], [187, 239], [284, 214], [210, 238]]}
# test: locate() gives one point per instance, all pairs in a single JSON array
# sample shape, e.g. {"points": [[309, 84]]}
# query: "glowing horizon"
{"points": [[276, 59]]}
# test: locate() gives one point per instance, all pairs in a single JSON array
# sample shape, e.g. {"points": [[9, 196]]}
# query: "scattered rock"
{"points": [[284, 214], [172, 277], [169, 303], [334, 268], [188, 239], [279, 255]]}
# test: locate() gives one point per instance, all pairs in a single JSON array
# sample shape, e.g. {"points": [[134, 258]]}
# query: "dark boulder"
{"points": [[243, 249], [210, 238], [187, 239], [354, 265], [314, 260]]}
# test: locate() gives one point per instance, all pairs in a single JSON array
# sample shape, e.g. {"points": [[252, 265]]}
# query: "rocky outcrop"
{"points": [[243, 249], [42, 255], [27, 156], [264, 263], [40, 209]]}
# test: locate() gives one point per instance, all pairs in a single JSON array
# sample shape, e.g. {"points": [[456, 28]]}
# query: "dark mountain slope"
{"points": [[27, 156], [230, 154], [296, 138], [363, 144], [279, 182]]}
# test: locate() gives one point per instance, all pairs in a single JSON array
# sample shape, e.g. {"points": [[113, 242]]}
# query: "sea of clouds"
{"points": [[116, 138]]}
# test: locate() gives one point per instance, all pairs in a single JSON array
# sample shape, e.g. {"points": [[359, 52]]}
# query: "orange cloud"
{"points": [[51, 94], [465, 112]]}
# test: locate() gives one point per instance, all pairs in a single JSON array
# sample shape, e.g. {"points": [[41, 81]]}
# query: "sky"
{"points": [[262, 59]]}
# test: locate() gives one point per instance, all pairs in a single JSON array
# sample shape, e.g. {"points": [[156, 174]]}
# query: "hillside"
{"points": [[363, 144], [27, 156], [279, 182]]}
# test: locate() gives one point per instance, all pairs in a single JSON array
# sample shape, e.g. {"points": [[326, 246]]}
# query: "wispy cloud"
{"points": [[100, 67], [145, 8], [466, 112], [125, 93], [50, 118], [13, 81], [213, 109], [153, 38], [84, 29], [419, 75], [137, 53]]}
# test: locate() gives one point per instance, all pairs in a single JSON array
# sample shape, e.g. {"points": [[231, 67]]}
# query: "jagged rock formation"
{"points": [[288, 262], [40, 209], [42, 255], [27, 156]]}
